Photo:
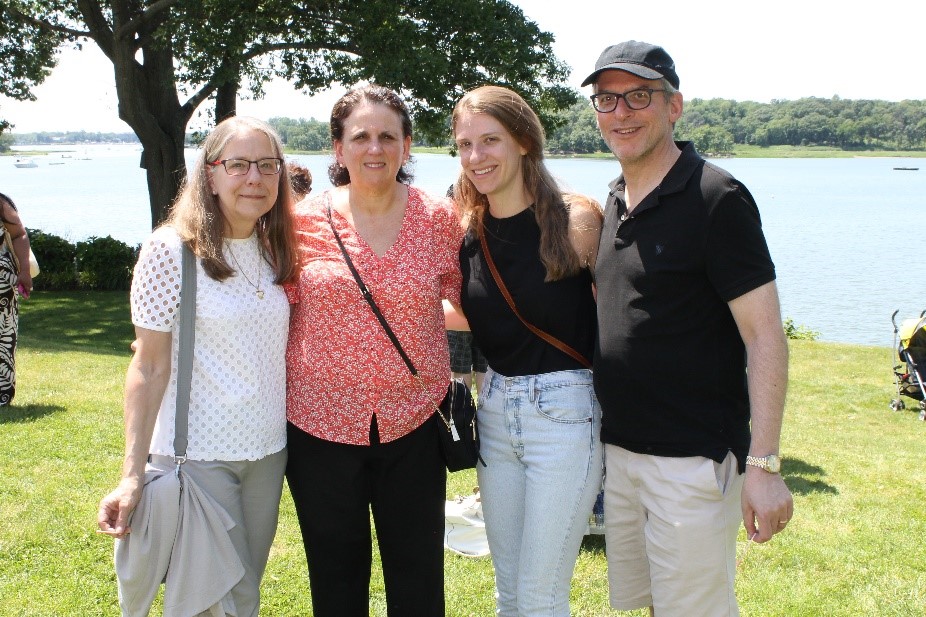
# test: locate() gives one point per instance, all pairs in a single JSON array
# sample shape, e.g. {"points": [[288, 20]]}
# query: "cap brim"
{"points": [[636, 69]]}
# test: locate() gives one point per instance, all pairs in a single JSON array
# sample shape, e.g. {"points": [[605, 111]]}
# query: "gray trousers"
{"points": [[250, 492]]}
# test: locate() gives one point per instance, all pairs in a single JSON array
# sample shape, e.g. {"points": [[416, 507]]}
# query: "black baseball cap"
{"points": [[642, 59]]}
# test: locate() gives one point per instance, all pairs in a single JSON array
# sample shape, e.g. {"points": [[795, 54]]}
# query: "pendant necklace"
{"points": [[257, 290]]}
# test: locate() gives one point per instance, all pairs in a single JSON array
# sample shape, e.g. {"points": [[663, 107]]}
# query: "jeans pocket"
{"points": [[483, 393], [569, 404]]}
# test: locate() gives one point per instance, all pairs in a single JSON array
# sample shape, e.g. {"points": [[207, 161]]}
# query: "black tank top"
{"points": [[563, 308]]}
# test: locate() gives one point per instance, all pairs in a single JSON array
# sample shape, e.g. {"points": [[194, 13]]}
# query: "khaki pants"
{"points": [[670, 528]]}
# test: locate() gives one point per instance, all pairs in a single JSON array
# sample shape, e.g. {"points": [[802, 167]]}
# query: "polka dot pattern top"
{"points": [[341, 365], [238, 394]]}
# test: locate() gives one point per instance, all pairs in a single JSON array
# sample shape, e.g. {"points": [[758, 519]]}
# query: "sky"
{"points": [[735, 49]]}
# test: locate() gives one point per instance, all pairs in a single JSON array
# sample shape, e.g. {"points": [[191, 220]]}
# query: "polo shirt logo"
{"points": [[659, 249]]}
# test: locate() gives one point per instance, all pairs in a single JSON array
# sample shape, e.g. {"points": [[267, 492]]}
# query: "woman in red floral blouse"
{"points": [[361, 428]]}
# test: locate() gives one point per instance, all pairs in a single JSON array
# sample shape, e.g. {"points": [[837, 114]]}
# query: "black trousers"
{"points": [[335, 486]]}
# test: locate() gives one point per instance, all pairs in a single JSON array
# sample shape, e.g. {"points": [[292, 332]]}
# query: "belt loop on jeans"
{"points": [[532, 392]]}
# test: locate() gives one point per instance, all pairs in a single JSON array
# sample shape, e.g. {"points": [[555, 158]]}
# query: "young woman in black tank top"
{"points": [[538, 417]]}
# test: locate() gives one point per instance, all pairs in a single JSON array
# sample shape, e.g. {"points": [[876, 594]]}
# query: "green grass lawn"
{"points": [[854, 548]]}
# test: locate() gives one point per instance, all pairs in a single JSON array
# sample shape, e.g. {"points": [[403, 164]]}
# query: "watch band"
{"points": [[770, 463]]}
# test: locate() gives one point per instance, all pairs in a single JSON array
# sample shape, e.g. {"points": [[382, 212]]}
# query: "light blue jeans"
{"points": [[540, 440]]}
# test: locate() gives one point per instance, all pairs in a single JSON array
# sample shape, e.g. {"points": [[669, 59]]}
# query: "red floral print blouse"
{"points": [[341, 366]]}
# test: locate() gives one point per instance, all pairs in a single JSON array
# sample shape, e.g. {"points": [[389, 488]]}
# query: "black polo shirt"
{"points": [[670, 365]]}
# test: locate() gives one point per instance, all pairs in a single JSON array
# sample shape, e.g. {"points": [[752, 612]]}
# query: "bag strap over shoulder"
{"points": [[549, 338], [8, 243], [368, 296], [185, 352]]}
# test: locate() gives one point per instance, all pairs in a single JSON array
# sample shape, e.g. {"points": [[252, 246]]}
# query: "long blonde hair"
{"points": [[550, 210], [199, 220]]}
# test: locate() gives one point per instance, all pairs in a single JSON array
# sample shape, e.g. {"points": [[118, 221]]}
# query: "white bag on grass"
{"points": [[464, 527]]}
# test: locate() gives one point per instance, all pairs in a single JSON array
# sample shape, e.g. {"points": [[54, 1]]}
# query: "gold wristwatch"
{"points": [[770, 463]]}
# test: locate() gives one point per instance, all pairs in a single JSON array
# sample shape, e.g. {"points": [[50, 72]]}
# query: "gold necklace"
{"points": [[257, 290]]}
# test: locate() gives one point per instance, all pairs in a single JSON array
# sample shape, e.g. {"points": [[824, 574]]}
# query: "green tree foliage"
{"points": [[578, 133], [171, 56], [715, 125], [73, 137], [303, 134], [835, 122]]}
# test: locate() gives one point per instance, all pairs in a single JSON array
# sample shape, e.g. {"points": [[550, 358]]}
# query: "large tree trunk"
{"points": [[165, 167], [226, 101], [149, 104]]}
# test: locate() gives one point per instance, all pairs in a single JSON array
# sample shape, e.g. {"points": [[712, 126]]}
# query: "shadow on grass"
{"points": [[16, 414], [803, 478], [92, 321]]}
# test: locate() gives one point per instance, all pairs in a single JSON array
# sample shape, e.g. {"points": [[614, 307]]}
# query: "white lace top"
{"points": [[238, 397]]}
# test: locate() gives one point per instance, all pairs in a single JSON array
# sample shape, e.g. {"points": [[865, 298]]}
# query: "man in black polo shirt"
{"points": [[686, 300]]}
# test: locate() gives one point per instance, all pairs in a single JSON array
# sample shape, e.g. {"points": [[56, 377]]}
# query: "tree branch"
{"points": [[260, 50], [44, 25], [100, 30], [150, 14]]}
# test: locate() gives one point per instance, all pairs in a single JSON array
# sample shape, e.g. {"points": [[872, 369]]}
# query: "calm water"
{"points": [[845, 234]]}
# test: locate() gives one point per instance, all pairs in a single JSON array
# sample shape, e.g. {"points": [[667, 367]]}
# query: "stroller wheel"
{"points": [[923, 406], [923, 415], [897, 404]]}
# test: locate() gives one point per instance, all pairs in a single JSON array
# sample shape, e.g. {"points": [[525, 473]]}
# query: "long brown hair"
{"points": [[551, 212], [199, 220]]}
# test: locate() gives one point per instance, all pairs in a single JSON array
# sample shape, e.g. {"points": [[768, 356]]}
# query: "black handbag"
{"points": [[458, 413], [457, 431]]}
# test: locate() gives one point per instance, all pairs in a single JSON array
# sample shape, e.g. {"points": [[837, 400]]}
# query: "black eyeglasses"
{"points": [[241, 167], [640, 98]]}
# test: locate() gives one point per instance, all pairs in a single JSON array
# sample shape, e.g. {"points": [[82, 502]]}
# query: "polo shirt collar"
{"points": [[677, 178], [674, 182]]}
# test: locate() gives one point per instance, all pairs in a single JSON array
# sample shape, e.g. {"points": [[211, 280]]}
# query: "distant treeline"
{"points": [[715, 125], [48, 138]]}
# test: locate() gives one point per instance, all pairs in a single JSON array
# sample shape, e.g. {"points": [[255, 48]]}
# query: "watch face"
{"points": [[774, 463]]}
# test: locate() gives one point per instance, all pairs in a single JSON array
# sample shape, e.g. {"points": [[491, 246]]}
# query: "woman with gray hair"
{"points": [[234, 213]]}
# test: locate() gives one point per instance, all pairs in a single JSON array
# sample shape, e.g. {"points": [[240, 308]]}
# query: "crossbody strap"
{"points": [[549, 338], [185, 352], [365, 292], [368, 296]]}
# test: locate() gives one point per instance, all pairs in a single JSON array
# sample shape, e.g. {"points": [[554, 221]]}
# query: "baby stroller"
{"points": [[908, 375]]}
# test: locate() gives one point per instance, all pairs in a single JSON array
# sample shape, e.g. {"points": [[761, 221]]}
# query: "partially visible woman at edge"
{"points": [[15, 277], [235, 213], [362, 432], [538, 416]]}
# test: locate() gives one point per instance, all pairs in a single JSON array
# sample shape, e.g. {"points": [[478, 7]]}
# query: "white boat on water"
{"points": [[25, 162]]}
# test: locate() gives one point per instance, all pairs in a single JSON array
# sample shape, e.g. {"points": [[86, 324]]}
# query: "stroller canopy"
{"points": [[913, 333]]}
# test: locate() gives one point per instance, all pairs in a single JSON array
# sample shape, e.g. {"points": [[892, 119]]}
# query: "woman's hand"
{"points": [[145, 382], [113, 515], [24, 286]]}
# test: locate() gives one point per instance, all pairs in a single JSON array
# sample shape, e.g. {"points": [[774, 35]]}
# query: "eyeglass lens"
{"points": [[240, 167], [606, 102]]}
